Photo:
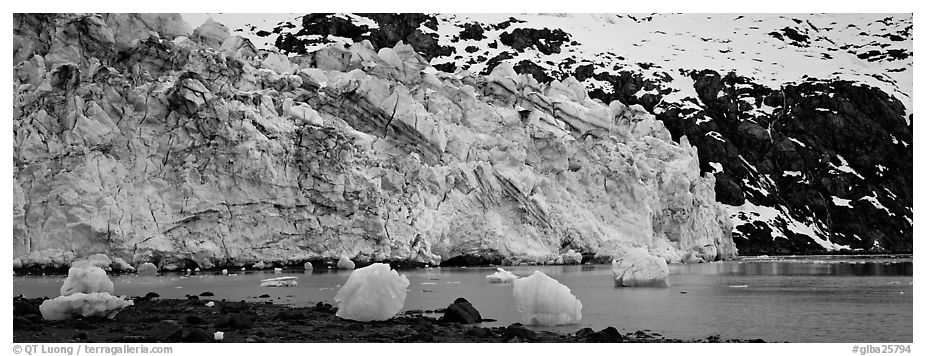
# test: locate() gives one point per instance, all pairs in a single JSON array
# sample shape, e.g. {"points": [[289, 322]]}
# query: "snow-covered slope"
{"points": [[788, 111]]}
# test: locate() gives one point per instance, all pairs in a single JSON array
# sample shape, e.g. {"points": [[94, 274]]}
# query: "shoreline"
{"points": [[326, 264], [153, 319]]}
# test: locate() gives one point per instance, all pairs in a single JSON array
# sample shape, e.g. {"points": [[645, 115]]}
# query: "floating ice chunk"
{"points": [[147, 269], [218, 336], [345, 263], [103, 305], [210, 304], [279, 282], [84, 278], [225, 272], [739, 286], [637, 268], [544, 301], [277, 270], [374, 292], [308, 266], [502, 276]]}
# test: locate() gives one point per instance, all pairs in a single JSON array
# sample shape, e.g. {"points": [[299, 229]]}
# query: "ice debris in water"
{"points": [[637, 268], [279, 282], [147, 269], [83, 304], [542, 300], [502, 276], [308, 266], [345, 263], [374, 292], [86, 278]]}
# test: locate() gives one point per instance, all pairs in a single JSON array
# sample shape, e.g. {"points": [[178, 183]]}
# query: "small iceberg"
{"points": [[101, 305], [374, 292], [739, 286], [345, 263], [637, 268], [502, 276], [542, 300], [279, 282]]}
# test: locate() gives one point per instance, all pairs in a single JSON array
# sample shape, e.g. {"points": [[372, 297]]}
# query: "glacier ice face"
{"points": [[502, 276], [542, 300], [86, 278], [408, 165], [374, 292], [637, 268]]}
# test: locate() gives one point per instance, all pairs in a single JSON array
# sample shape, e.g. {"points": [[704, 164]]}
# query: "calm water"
{"points": [[798, 299]]}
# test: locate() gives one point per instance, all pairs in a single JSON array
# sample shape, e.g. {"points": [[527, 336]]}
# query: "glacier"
{"points": [[166, 147]]}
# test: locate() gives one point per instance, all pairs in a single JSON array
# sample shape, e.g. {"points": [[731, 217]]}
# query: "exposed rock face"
{"points": [[174, 150], [805, 165]]}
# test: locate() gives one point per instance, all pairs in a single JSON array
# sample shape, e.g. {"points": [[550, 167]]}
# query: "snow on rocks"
{"points": [[637, 268], [374, 292], [502, 276], [542, 300]]}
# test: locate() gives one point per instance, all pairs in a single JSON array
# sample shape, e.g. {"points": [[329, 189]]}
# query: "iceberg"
{"points": [[279, 282], [345, 263], [102, 305], [502, 276], [86, 278], [374, 292], [147, 269], [542, 300], [637, 268]]}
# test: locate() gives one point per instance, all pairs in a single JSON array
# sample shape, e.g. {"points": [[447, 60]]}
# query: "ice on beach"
{"points": [[279, 282], [218, 336], [147, 269], [86, 278], [374, 292], [542, 300], [345, 263], [103, 305], [210, 304], [637, 268], [502, 276]]}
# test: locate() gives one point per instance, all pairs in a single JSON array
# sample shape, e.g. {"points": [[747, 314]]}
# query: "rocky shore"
{"points": [[152, 319]]}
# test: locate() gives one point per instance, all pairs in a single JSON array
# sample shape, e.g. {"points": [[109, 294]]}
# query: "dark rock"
{"points": [[206, 294], [264, 296], [82, 324], [235, 321], [21, 323], [151, 295], [194, 319], [165, 330], [517, 330], [461, 311], [194, 335], [609, 334], [289, 315], [478, 332]]}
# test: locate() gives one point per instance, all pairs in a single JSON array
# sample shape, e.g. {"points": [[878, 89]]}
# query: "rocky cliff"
{"points": [[140, 137], [803, 119]]}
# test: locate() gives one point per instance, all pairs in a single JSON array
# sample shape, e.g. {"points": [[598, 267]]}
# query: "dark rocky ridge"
{"points": [[831, 118]]}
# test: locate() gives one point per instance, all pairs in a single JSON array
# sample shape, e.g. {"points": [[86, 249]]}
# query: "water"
{"points": [[795, 299]]}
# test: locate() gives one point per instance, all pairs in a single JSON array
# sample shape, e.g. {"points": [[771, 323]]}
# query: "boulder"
{"points": [[461, 311]]}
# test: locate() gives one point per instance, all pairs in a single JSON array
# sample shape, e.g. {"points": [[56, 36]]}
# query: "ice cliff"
{"points": [[142, 138]]}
